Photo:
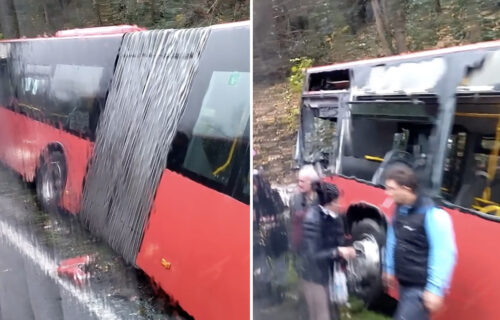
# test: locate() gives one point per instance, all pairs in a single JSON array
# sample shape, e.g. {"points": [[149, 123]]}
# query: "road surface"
{"points": [[32, 246]]}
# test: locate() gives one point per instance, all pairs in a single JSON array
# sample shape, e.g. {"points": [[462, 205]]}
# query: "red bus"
{"points": [[436, 111], [60, 97]]}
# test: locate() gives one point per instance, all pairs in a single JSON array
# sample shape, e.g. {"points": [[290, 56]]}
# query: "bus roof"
{"points": [[97, 31], [113, 30], [405, 56], [84, 32], [245, 23]]}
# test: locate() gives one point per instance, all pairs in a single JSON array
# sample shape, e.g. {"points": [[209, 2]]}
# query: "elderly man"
{"points": [[301, 202]]}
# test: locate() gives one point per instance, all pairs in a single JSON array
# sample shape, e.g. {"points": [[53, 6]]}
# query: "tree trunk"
{"points": [[383, 34], [155, 12], [108, 11], [8, 19], [46, 13], [398, 13], [384, 9], [437, 6], [50, 26], [97, 11]]}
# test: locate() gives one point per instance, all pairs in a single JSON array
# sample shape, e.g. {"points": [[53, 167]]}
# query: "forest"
{"points": [[329, 31], [290, 35], [31, 18]]}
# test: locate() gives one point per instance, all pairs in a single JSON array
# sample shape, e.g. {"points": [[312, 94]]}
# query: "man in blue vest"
{"points": [[420, 248]]}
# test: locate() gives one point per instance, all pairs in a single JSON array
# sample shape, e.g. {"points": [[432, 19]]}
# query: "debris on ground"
{"points": [[75, 269]]}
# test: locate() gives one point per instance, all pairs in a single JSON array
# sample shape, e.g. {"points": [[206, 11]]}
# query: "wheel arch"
{"points": [[49, 148], [362, 210]]}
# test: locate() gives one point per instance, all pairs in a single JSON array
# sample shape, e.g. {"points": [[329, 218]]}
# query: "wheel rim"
{"points": [[51, 184], [365, 269]]}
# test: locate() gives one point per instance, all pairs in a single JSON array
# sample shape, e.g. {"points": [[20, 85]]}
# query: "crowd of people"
{"points": [[420, 252]]}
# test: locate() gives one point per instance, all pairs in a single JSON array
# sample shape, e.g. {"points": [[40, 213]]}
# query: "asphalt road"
{"points": [[33, 244]]}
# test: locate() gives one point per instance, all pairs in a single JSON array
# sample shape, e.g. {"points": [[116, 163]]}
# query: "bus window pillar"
{"points": [[444, 123]]}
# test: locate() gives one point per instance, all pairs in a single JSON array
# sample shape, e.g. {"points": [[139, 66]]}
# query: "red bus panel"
{"points": [[197, 247], [475, 283], [476, 278], [22, 141], [354, 192]]}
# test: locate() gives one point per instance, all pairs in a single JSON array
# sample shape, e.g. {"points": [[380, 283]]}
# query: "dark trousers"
{"points": [[410, 305], [318, 303]]}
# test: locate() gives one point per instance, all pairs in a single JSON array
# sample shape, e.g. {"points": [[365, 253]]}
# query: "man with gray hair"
{"points": [[301, 202], [303, 199]]}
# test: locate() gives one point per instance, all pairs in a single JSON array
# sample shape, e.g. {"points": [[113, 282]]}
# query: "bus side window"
{"points": [[218, 132], [5, 88], [242, 174], [73, 93], [471, 178], [215, 152], [25, 104]]}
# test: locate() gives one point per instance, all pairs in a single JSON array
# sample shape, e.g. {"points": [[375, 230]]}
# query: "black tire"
{"points": [[51, 180], [371, 289]]}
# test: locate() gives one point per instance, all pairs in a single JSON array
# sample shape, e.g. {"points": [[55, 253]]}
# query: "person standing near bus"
{"points": [[420, 248], [301, 202], [322, 244]]}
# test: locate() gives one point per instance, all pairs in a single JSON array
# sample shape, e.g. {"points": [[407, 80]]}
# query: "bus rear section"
{"points": [[436, 111], [53, 91]]}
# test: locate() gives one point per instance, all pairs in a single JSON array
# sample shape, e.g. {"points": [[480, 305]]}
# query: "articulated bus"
{"points": [[195, 239], [438, 111]]}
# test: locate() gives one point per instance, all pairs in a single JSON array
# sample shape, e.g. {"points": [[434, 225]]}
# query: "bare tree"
{"points": [[108, 12], [437, 6], [383, 32], [390, 21], [8, 19], [398, 12]]}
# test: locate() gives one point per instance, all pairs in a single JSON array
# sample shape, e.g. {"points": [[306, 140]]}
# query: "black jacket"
{"points": [[411, 252], [322, 234]]}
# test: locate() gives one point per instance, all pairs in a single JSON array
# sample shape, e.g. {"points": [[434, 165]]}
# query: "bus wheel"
{"points": [[366, 269], [51, 180]]}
